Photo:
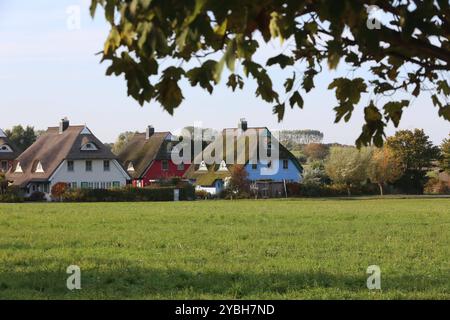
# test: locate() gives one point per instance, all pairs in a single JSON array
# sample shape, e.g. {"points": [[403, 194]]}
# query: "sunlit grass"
{"points": [[280, 249]]}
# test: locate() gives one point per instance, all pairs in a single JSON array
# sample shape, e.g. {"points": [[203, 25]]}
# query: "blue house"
{"points": [[267, 162]]}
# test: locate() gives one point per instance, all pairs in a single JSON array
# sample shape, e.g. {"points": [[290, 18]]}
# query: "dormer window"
{"points": [[90, 146], [18, 168], [39, 168], [203, 166], [5, 148], [130, 167], [223, 166]]}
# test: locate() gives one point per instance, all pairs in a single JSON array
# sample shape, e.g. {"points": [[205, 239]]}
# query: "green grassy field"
{"points": [[277, 249]]}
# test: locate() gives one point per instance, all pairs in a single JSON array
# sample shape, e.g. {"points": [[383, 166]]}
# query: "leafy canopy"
{"points": [[408, 51]]}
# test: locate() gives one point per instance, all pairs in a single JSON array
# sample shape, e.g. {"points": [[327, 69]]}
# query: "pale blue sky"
{"points": [[49, 71]]}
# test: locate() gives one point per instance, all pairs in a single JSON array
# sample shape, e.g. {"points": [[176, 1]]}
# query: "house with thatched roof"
{"points": [[8, 152], [255, 148], [147, 158], [69, 154]]}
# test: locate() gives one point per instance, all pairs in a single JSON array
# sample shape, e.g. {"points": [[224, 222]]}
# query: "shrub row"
{"points": [[333, 190], [127, 194]]}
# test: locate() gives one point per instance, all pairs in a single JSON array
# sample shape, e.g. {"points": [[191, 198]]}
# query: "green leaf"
{"points": [[296, 98], [235, 81], [110, 8], [393, 110], [169, 94], [289, 84], [282, 60], [279, 111]]}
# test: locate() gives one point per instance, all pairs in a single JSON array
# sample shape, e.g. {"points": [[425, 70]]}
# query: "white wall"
{"points": [[97, 174]]}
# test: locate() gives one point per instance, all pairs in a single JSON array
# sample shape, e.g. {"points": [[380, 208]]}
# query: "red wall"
{"points": [[156, 172]]}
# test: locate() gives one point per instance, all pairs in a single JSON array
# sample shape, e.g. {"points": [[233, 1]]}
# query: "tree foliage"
{"points": [[408, 51], [348, 166], [59, 189], [417, 153], [445, 155], [238, 183], [22, 137], [316, 151], [122, 141], [384, 167]]}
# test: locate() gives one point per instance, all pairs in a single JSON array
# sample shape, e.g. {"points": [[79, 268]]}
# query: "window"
{"points": [[46, 188], [165, 165], [106, 165], [180, 167], [116, 184], [285, 164], [254, 166], [84, 185], [88, 165], [70, 166], [4, 166], [73, 185]]}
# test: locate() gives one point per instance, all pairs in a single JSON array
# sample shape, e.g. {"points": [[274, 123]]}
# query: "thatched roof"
{"points": [[141, 152], [51, 149], [207, 178]]}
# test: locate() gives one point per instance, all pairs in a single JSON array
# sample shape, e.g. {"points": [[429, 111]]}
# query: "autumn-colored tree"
{"points": [[348, 166], [405, 52], [59, 189], [238, 183], [316, 151], [384, 167]]}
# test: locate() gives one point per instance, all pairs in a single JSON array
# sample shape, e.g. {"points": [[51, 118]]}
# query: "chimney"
{"points": [[242, 125], [150, 132], [63, 125]]}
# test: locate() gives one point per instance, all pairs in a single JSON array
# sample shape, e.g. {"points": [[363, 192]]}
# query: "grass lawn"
{"points": [[277, 249]]}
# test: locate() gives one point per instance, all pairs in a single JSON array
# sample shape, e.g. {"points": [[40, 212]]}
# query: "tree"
{"points": [[406, 52], [417, 153], [348, 166], [238, 183], [314, 173], [445, 155], [21, 137], [316, 151], [384, 167], [301, 136], [59, 189], [122, 141]]}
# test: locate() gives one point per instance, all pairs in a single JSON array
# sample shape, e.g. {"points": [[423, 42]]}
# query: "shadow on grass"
{"points": [[136, 283]]}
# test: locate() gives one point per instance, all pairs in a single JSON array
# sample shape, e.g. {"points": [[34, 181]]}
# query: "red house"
{"points": [[147, 158], [8, 152]]}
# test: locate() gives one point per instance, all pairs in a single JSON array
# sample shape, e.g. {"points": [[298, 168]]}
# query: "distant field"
{"points": [[277, 249]]}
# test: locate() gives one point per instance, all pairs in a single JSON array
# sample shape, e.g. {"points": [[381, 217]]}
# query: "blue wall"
{"points": [[291, 173]]}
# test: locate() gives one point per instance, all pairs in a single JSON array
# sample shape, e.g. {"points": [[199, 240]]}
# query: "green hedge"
{"points": [[128, 194], [334, 190]]}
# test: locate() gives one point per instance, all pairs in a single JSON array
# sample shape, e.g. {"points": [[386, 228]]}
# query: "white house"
{"points": [[69, 154]]}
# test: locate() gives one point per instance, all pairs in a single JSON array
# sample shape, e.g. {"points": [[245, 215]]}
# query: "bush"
{"points": [[11, 198], [59, 189], [334, 190], [436, 186], [128, 194], [36, 197], [202, 194]]}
